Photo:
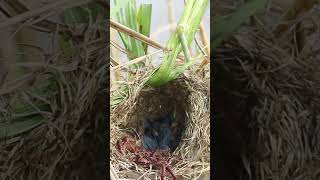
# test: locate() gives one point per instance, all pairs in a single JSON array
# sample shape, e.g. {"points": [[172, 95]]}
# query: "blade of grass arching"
{"points": [[144, 21], [223, 26]]}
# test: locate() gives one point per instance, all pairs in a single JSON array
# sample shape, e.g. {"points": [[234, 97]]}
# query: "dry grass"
{"points": [[144, 102], [65, 145], [283, 142]]}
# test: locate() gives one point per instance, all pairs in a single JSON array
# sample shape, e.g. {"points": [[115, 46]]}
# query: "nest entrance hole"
{"points": [[160, 115]]}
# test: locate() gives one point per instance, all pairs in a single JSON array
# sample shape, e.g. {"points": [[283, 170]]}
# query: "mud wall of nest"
{"points": [[189, 97]]}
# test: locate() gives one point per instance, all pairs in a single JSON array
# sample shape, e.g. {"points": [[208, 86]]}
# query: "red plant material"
{"points": [[160, 158]]}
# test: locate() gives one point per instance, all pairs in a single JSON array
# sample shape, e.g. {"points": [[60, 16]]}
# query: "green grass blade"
{"points": [[24, 118], [144, 22], [223, 26], [124, 12], [25, 115], [191, 18]]}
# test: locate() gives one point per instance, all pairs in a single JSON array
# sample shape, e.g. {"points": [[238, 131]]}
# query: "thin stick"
{"points": [[118, 47], [134, 61], [206, 43], [162, 29], [135, 34], [204, 38], [115, 53], [141, 37]]}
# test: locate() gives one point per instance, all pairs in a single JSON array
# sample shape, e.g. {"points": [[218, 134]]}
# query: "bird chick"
{"points": [[159, 134]]}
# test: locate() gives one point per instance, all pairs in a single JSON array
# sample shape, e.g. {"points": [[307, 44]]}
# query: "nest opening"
{"points": [[162, 133], [160, 115]]}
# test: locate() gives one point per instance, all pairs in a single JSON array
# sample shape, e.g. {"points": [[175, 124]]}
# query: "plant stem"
{"points": [[191, 18]]}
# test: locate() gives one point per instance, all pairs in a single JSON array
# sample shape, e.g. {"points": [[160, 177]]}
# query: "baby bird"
{"points": [[164, 136], [157, 134], [149, 138]]}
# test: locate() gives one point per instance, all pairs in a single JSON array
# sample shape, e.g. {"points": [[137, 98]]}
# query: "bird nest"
{"points": [[189, 98]]}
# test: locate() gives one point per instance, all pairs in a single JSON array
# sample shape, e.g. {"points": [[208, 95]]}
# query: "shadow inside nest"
{"points": [[160, 116], [163, 133]]}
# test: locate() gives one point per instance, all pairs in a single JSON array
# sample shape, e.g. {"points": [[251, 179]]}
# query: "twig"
{"points": [[115, 53], [204, 38], [143, 38], [135, 34], [134, 61], [162, 29], [200, 48], [206, 43]]}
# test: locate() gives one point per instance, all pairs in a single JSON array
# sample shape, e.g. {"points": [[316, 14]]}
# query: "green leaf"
{"points": [[124, 12], [17, 127], [24, 114], [144, 22], [191, 18], [223, 26]]}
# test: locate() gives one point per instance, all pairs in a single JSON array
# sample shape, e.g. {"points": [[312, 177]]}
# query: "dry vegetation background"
{"points": [[267, 93], [53, 81]]}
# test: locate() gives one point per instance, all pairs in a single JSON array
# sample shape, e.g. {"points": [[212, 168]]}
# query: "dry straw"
{"points": [[143, 101], [63, 145], [285, 122]]}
